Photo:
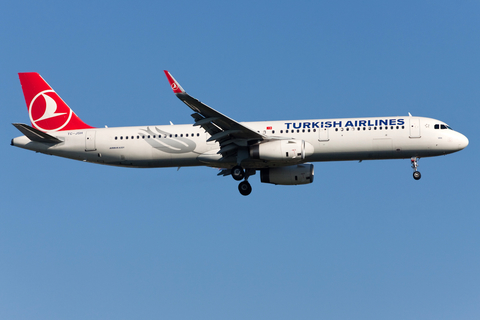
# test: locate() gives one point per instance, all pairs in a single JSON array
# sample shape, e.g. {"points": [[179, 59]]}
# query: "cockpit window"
{"points": [[442, 126]]}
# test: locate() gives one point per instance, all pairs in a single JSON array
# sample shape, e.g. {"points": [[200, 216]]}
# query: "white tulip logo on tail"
{"points": [[50, 119]]}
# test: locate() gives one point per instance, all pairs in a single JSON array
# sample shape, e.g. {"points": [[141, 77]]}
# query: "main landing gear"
{"points": [[245, 188], [416, 174], [238, 174]]}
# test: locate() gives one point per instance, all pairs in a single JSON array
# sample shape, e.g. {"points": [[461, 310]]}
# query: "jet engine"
{"points": [[281, 150], [291, 175]]}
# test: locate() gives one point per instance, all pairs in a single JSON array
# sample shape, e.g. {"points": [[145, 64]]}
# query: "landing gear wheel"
{"points": [[245, 188], [417, 175], [238, 173]]}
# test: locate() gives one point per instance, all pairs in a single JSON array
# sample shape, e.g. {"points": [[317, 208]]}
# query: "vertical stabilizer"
{"points": [[47, 111]]}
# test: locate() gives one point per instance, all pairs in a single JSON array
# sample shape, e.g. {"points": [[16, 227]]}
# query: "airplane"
{"points": [[282, 151]]}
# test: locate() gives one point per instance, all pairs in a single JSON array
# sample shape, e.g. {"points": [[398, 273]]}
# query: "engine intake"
{"points": [[291, 175]]}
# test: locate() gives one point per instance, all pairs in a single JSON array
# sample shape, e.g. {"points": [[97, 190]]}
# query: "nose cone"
{"points": [[462, 141]]}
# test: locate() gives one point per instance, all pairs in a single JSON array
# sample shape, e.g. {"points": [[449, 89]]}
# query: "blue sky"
{"points": [[364, 241]]}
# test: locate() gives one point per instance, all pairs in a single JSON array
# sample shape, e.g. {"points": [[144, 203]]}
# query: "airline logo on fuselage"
{"points": [[48, 112], [344, 123]]}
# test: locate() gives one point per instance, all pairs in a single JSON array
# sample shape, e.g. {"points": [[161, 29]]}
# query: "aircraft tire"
{"points": [[417, 175], [245, 188], [238, 173]]}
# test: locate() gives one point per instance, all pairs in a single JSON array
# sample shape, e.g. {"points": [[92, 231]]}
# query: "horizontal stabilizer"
{"points": [[35, 134]]}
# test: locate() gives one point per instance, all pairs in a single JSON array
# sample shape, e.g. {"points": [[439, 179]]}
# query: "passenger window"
{"points": [[126, 137], [115, 138], [273, 131], [121, 138]]}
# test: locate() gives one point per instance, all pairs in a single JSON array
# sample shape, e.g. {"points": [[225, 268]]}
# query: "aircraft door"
{"points": [[323, 134], [414, 127], [90, 140]]}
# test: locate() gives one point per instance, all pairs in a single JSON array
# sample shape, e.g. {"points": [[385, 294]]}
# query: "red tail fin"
{"points": [[47, 111]]}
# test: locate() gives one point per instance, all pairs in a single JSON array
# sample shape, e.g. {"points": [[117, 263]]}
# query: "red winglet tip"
{"points": [[173, 83]]}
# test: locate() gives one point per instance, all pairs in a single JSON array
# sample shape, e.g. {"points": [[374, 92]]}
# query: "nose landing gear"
{"points": [[416, 174]]}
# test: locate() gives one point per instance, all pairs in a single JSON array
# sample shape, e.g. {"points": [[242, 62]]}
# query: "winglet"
{"points": [[173, 83]]}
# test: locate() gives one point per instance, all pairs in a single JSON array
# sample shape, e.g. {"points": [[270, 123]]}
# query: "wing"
{"points": [[230, 134]]}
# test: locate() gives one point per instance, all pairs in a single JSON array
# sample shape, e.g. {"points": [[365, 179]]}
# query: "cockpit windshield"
{"points": [[442, 126]]}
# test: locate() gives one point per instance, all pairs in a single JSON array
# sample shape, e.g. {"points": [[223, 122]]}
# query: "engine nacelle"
{"points": [[281, 150], [291, 175]]}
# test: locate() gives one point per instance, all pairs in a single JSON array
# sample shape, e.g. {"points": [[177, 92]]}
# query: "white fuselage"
{"points": [[186, 145]]}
